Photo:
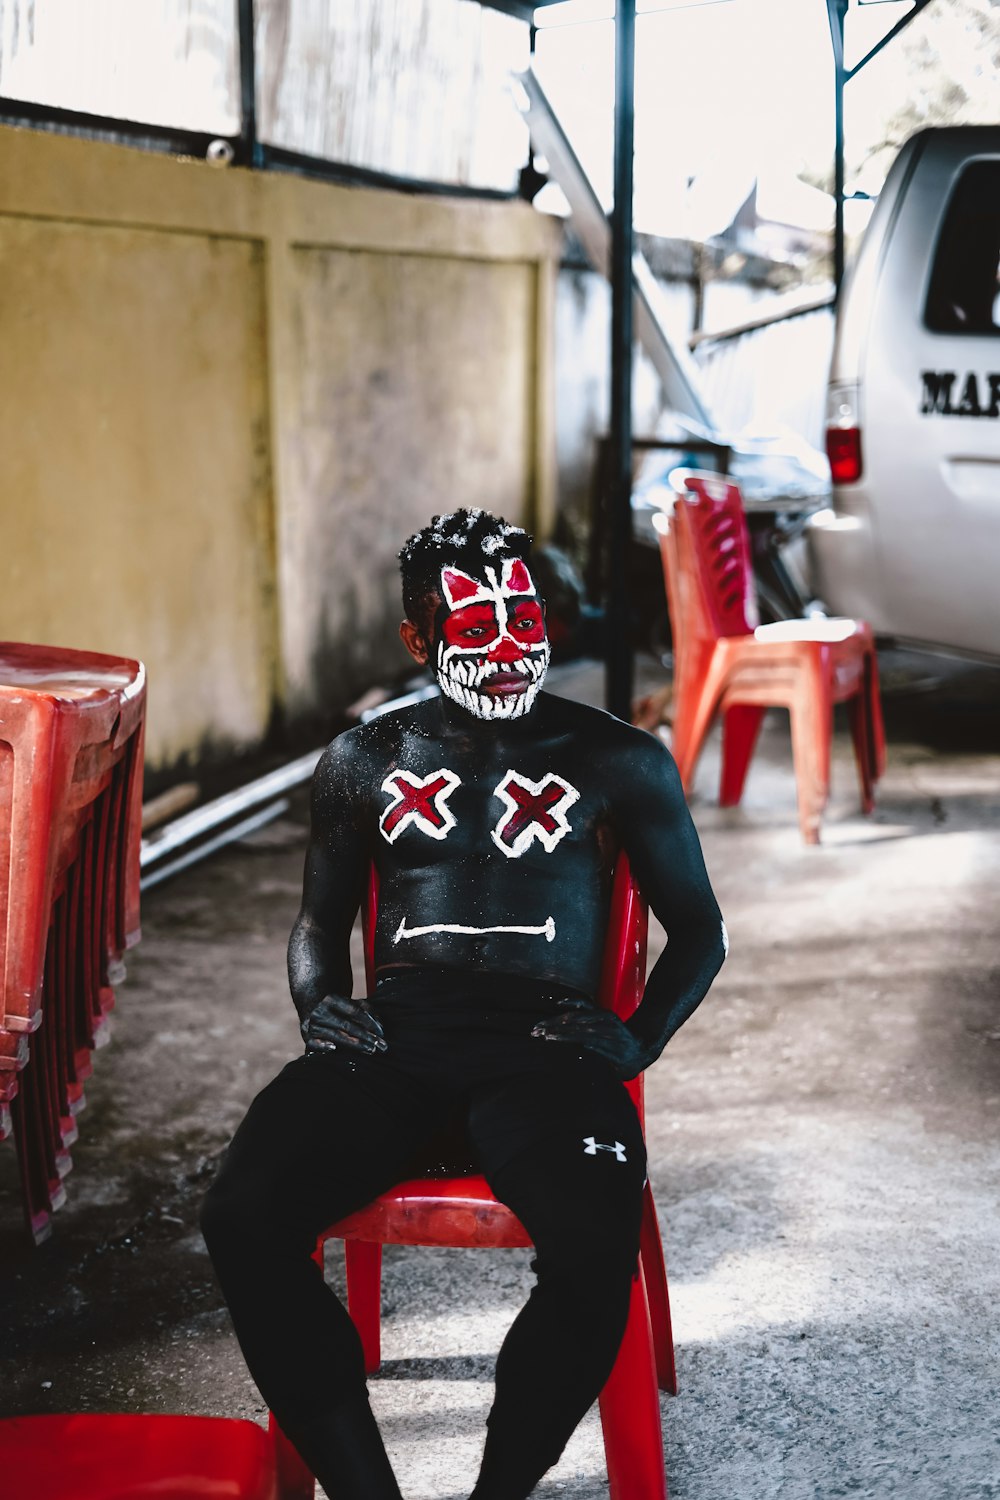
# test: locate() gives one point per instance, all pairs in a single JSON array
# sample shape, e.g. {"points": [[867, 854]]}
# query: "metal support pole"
{"points": [[618, 656], [248, 153], [836, 11]]}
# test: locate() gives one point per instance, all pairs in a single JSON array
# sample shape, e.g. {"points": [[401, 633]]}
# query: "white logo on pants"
{"points": [[591, 1148]]}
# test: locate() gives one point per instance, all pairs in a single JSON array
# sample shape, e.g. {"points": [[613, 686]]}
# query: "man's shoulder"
{"points": [[374, 743], [633, 769], [607, 736]]}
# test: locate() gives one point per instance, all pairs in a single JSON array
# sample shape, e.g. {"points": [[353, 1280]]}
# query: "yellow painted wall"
{"points": [[226, 398]]}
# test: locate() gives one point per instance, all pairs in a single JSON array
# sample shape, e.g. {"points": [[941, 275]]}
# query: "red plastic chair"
{"points": [[461, 1212], [98, 1457], [71, 738], [724, 662]]}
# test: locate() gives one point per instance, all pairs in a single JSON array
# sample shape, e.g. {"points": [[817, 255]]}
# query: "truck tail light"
{"points": [[843, 434], [843, 449]]}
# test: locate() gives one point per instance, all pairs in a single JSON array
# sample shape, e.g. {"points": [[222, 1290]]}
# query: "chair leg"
{"points": [[295, 1478], [812, 731], [630, 1411], [876, 727], [740, 728], [857, 709], [691, 726], [364, 1297], [654, 1271]]}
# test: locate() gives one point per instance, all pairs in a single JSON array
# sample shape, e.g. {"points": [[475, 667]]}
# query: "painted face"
{"points": [[492, 650]]}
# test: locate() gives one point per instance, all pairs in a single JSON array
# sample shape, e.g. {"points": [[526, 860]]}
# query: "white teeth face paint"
{"points": [[493, 629]]}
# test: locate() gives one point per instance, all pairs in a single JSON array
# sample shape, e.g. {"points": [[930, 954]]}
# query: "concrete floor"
{"points": [[823, 1142]]}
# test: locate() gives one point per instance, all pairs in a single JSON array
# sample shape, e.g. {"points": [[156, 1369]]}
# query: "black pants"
{"points": [[549, 1125]]}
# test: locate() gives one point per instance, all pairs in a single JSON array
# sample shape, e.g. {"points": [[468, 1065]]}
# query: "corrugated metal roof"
{"points": [[415, 88]]}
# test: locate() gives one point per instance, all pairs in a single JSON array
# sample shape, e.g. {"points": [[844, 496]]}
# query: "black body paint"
{"points": [[464, 855]]}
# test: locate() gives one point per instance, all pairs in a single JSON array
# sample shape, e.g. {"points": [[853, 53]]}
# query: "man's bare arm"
{"points": [[665, 852], [656, 831], [319, 958]]}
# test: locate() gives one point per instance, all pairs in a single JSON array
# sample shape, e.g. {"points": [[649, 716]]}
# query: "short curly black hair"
{"points": [[467, 539]]}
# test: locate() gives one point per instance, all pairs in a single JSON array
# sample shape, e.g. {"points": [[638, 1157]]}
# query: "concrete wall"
{"points": [[226, 397], [583, 369]]}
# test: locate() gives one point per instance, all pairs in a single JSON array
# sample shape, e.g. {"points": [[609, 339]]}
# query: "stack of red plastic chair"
{"points": [[116, 1457], [724, 662], [461, 1212], [71, 738]]}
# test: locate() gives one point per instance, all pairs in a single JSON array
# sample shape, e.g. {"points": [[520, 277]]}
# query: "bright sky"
{"points": [[725, 90]]}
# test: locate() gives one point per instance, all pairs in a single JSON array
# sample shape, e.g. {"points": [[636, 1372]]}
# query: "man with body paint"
{"points": [[492, 815]]}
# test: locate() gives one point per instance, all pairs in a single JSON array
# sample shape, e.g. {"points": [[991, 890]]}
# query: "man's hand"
{"points": [[337, 1022], [599, 1031]]}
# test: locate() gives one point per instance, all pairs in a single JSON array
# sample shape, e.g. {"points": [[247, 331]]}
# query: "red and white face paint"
{"points": [[493, 652]]}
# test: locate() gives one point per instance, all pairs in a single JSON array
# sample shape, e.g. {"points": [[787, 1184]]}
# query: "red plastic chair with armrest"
{"points": [[461, 1212], [724, 662]]}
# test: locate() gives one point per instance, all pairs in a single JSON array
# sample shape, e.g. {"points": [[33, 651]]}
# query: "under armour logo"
{"points": [[591, 1148]]}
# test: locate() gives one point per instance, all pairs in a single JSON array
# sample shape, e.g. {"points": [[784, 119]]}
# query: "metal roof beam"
{"points": [[837, 14], [524, 10], [893, 32]]}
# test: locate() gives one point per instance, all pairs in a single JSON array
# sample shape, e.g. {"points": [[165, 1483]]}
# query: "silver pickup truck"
{"points": [[912, 542]]}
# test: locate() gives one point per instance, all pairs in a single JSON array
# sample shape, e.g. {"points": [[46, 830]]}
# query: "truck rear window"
{"points": [[964, 293]]}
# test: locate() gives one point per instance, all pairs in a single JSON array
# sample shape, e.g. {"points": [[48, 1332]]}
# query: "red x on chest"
{"points": [[531, 807], [534, 810], [420, 800]]}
